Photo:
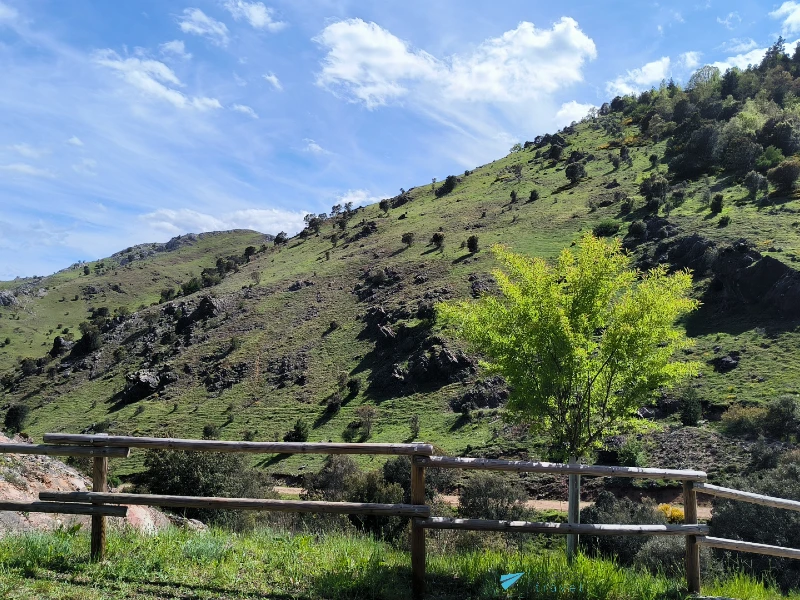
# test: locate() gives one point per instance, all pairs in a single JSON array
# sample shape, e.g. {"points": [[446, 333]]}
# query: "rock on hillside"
{"points": [[23, 476]]}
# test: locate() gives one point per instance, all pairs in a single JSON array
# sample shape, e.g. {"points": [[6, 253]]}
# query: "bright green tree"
{"points": [[583, 343]]}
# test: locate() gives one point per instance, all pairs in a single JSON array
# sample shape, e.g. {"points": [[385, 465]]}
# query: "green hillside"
{"points": [[279, 335]]}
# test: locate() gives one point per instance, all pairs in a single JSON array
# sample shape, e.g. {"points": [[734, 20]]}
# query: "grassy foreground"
{"points": [[269, 564]]}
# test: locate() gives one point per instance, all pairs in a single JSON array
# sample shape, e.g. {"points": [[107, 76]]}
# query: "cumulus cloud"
{"points": [[75, 141], [153, 79], [358, 198], [273, 79], [175, 48], [644, 77], [754, 57], [255, 13], [26, 169], [245, 110], [197, 22], [185, 220], [369, 64], [314, 147], [690, 60], [572, 111], [730, 21], [790, 13]]}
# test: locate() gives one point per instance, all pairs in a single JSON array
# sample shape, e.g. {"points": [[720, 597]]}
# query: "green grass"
{"points": [[269, 564]]}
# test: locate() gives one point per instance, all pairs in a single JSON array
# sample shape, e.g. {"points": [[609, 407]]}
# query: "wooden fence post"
{"points": [[99, 484], [692, 547], [573, 511], [417, 532]]}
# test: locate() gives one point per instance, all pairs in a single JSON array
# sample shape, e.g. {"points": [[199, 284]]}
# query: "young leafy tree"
{"points": [[407, 238], [583, 343]]}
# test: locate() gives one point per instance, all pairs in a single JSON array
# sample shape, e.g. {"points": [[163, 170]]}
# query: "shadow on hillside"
{"points": [[272, 460], [715, 317], [463, 258]]}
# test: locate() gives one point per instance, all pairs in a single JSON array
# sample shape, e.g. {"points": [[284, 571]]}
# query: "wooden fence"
{"points": [[99, 503]]}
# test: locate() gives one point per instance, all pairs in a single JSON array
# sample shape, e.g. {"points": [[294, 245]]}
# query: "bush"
{"points": [[632, 453], [755, 182], [555, 152], [398, 470], [281, 238], [15, 418], [637, 229], [784, 176], [691, 409], [492, 496], [608, 509], [210, 432], [513, 196], [447, 187], [298, 433], [782, 417], [173, 472], [353, 386], [472, 244], [724, 221], [384, 205], [743, 420], [605, 228], [770, 158], [407, 239], [91, 338], [191, 286], [665, 555], [438, 240], [673, 514], [534, 195], [575, 172], [654, 160], [717, 203]]}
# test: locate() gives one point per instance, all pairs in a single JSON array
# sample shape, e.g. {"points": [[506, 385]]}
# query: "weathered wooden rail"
{"points": [[99, 503]]}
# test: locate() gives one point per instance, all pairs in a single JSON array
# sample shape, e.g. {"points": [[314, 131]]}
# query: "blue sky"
{"points": [[129, 122]]}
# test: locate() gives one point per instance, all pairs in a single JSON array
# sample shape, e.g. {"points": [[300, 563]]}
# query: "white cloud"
{"points": [[255, 13], [731, 21], [690, 60], [85, 167], [25, 169], [273, 79], [739, 45], [371, 65], [197, 22], [265, 220], [644, 77], [75, 141], [151, 77], [245, 110], [314, 147], [754, 57], [358, 198], [572, 111], [790, 13], [7, 13], [175, 48], [28, 151]]}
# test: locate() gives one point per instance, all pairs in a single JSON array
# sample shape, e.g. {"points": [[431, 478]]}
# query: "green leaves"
{"points": [[583, 343]]}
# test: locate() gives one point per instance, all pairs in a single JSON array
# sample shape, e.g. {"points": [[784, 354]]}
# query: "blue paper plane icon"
{"points": [[508, 580]]}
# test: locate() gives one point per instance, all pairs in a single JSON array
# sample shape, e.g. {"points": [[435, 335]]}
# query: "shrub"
{"points": [[281, 238], [605, 228], [755, 182], [717, 203], [665, 555], [438, 240], [367, 415], [191, 286], [472, 244], [167, 294], [492, 496], [654, 160], [534, 195], [637, 229], [673, 514], [15, 418], [575, 172], [384, 205], [173, 472], [210, 431], [513, 196], [724, 221], [91, 338], [654, 188], [771, 157], [782, 417], [447, 187], [743, 420], [555, 152], [398, 470], [608, 509], [632, 453], [407, 239], [691, 409], [28, 366], [784, 176], [298, 433], [413, 425], [353, 386]]}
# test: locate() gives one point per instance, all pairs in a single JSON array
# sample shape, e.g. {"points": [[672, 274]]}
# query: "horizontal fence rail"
{"points": [[740, 546], [731, 494], [225, 446], [65, 508], [303, 506], [561, 528], [490, 464], [52, 450], [99, 503]]}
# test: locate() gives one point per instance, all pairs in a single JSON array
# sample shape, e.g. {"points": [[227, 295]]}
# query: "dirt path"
{"points": [[703, 512]]}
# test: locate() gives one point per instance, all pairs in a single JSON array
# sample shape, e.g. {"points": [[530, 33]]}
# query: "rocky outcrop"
{"points": [[7, 299]]}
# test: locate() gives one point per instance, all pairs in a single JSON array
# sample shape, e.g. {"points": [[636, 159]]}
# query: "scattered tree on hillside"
{"points": [[298, 433], [15, 418], [472, 244], [755, 182], [575, 172], [281, 238], [583, 342], [516, 148], [407, 239], [717, 203], [785, 175], [447, 187], [534, 195], [438, 240], [513, 196], [384, 205]]}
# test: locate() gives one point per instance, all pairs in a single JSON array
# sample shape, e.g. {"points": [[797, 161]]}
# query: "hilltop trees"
{"points": [[447, 187], [583, 343]]}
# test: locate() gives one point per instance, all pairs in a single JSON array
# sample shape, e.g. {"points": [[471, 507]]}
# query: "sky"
{"points": [[130, 122]]}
